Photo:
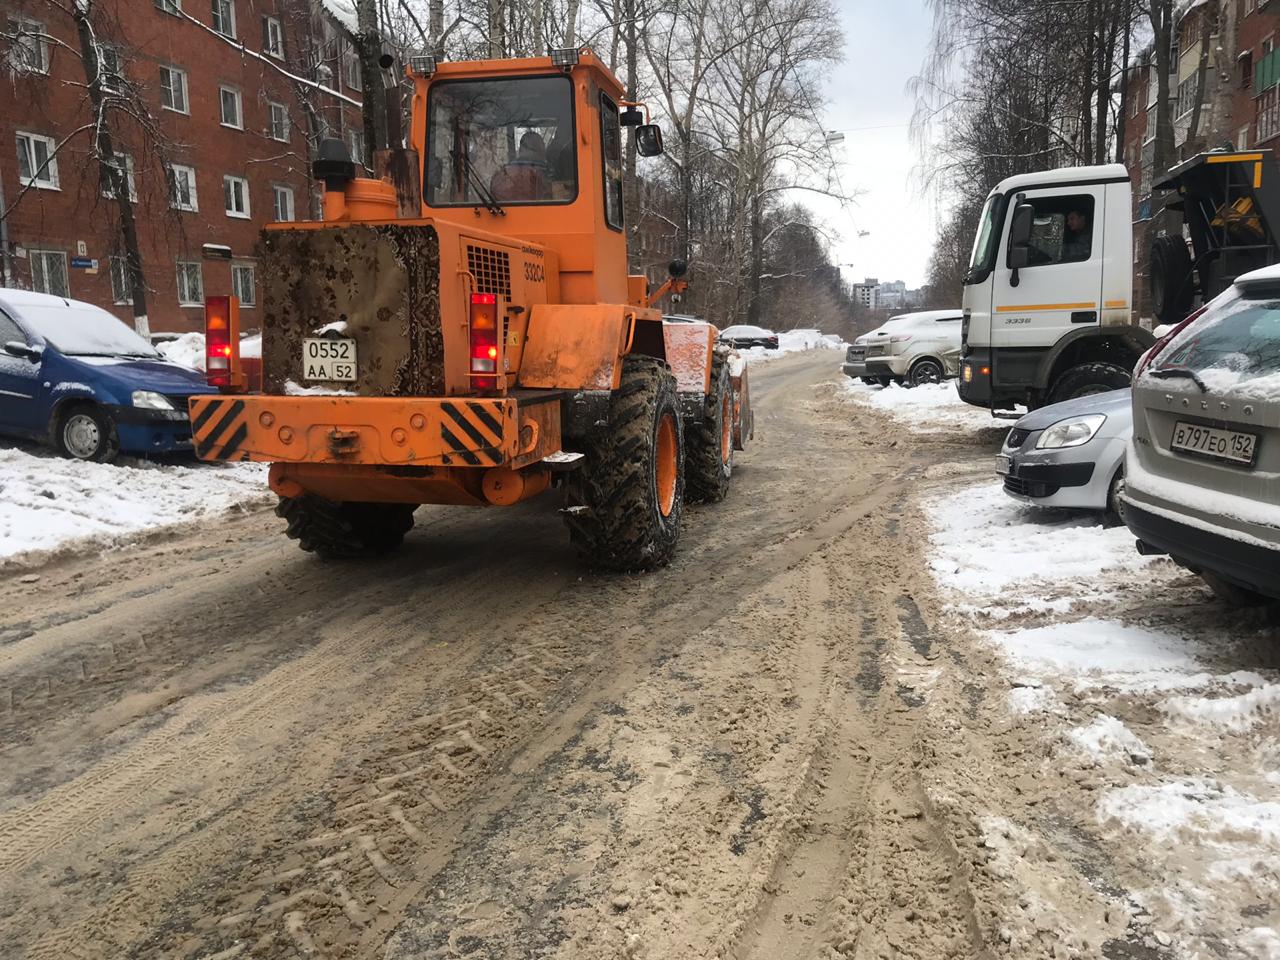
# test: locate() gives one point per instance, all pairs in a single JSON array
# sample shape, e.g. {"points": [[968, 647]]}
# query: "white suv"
{"points": [[915, 348]]}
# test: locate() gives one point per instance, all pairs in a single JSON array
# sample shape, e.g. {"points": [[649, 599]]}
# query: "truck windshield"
{"points": [[984, 244], [509, 139]]}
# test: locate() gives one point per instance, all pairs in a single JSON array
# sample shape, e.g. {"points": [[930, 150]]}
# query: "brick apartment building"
{"points": [[1241, 104], [216, 138]]}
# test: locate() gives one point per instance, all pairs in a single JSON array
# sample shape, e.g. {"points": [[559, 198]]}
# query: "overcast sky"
{"points": [[885, 45]]}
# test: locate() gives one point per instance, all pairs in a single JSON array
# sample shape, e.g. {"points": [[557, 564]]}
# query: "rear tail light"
{"points": [[222, 343], [486, 352], [1145, 360]]}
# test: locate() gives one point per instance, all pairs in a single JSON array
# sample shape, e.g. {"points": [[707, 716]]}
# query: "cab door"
{"points": [[19, 383], [1060, 288]]}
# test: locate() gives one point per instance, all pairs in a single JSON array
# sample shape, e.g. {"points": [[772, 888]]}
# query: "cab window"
{"points": [[1061, 230], [611, 141], [508, 140]]}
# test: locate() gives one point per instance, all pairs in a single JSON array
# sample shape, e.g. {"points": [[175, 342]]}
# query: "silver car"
{"points": [[1203, 471], [1069, 454], [915, 348]]}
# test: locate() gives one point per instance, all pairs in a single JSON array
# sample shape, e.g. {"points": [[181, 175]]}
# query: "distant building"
{"points": [[865, 294], [233, 135], [892, 295]]}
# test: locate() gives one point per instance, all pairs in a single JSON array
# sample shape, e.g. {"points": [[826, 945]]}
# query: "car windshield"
{"points": [[84, 331], [1235, 343], [984, 244], [504, 141]]}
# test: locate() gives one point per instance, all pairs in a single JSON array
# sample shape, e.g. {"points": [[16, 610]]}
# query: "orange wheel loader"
{"points": [[462, 330]]}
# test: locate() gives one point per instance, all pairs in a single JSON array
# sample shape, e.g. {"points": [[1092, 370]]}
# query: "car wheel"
{"points": [[869, 381], [1089, 378], [1231, 594], [85, 432], [1115, 511], [927, 370], [884, 381]]}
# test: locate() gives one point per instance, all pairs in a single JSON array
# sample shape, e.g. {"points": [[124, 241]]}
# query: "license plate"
{"points": [[1004, 464], [1201, 441], [328, 359]]}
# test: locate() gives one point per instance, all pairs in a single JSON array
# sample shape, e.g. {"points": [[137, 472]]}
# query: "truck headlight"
{"points": [[150, 400], [1075, 432]]}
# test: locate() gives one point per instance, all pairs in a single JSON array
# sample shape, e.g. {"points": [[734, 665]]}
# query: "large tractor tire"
{"points": [[709, 444], [625, 502], [1172, 288], [344, 531], [1086, 379]]}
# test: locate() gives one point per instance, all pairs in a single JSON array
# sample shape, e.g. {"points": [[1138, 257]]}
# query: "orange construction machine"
{"points": [[463, 330]]}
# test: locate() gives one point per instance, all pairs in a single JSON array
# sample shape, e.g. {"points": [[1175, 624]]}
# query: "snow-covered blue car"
{"points": [[74, 376]]}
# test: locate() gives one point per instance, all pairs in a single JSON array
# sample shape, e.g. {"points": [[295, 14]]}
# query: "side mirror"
{"points": [[649, 140], [20, 350], [1020, 236], [631, 117], [677, 268]]}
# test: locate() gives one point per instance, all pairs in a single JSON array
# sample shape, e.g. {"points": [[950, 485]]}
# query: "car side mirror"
{"points": [[649, 140], [1019, 254], [16, 348]]}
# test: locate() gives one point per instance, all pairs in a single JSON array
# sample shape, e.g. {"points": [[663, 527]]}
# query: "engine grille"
{"points": [[1029, 488], [1017, 437], [492, 270]]}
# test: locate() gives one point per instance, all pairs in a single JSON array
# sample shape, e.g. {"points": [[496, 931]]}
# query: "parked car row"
{"points": [[909, 349], [1190, 457], [75, 377]]}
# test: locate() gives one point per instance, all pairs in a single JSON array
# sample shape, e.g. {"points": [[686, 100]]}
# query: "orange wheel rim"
{"points": [[726, 429], [668, 461]]}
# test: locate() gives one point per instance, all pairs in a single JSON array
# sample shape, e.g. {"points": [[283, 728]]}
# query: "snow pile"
{"points": [[1108, 738], [188, 349], [1193, 805], [795, 341], [928, 408], [1237, 714], [47, 502]]}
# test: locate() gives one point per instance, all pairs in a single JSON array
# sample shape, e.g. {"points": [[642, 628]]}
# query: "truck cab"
{"points": [[1048, 295]]}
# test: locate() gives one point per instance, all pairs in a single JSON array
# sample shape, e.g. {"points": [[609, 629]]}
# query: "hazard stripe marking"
{"points": [[233, 444], [236, 409], [482, 414], [469, 428], [210, 408], [457, 446]]}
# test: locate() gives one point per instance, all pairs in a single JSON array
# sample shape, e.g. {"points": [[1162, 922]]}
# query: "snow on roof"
{"points": [[20, 298], [1261, 274], [344, 11]]}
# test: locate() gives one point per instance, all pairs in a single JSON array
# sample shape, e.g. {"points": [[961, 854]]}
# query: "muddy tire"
{"points": [[345, 531], [84, 431], [1090, 378], [709, 443], [926, 370], [1172, 289], [625, 503]]}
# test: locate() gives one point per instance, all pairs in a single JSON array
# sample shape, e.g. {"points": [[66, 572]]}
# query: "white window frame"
{"points": [[229, 183], [121, 294], [181, 76], [171, 7], [225, 29], [352, 71], [128, 176], [223, 90], [355, 143], [274, 109], [184, 283], [40, 255], [41, 180], [175, 202], [280, 191], [274, 46], [30, 40], [237, 272]]}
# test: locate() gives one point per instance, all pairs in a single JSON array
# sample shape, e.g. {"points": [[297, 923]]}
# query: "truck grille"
{"points": [[492, 270]]}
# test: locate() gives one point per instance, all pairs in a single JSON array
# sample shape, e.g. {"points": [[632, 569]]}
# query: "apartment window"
{"points": [[124, 162], [1186, 97], [1268, 115], [283, 197], [1242, 137], [121, 289], [277, 121], [355, 142], [273, 37], [169, 6], [224, 17], [235, 194], [110, 74], [28, 49], [49, 272], [182, 188], [229, 97], [242, 284], [173, 90], [190, 284], [353, 69], [37, 166]]}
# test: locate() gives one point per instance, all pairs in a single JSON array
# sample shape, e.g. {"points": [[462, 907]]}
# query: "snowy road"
{"points": [[829, 729]]}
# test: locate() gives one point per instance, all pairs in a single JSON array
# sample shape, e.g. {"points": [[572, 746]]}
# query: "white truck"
{"points": [[1048, 298]]}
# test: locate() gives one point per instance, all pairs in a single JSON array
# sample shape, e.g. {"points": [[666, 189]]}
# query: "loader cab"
{"points": [[532, 149]]}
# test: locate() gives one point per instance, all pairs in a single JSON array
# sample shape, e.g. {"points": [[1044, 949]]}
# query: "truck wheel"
{"points": [[1171, 285], [626, 501], [925, 370], [85, 432], [709, 449], [1088, 379], [343, 531]]}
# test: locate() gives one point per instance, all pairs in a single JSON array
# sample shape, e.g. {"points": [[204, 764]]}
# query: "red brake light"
{"points": [[221, 342], [1145, 360], [485, 346]]}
